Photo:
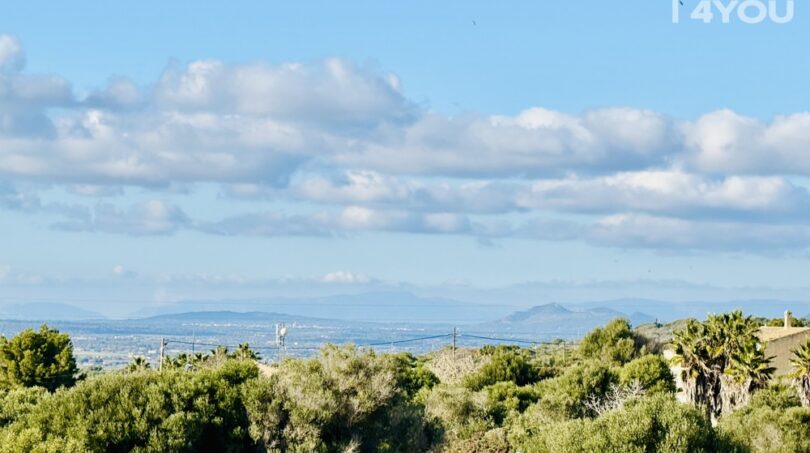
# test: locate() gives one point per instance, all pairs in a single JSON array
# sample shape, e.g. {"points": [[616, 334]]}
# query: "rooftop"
{"points": [[774, 333]]}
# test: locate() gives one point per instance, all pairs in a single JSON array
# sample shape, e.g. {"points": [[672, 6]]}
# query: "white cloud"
{"points": [[345, 277], [12, 57], [727, 142], [671, 192], [535, 142], [334, 93], [343, 145], [120, 271], [152, 217], [643, 231]]}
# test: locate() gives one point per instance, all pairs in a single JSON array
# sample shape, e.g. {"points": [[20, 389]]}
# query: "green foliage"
{"points": [[723, 361], [506, 364], [616, 342], [18, 402], [776, 396], [412, 376], [342, 399], [614, 397], [652, 424], [138, 364], [459, 410], [565, 396], [767, 426], [504, 399], [43, 359], [780, 322], [169, 411], [651, 371], [801, 371]]}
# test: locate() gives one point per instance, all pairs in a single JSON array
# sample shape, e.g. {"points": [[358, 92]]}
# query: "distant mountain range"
{"points": [[46, 311], [232, 316], [667, 311], [399, 307], [554, 319], [406, 307]]}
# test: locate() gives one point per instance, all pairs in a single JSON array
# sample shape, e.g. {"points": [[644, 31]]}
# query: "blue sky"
{"points": [[157, 151]]}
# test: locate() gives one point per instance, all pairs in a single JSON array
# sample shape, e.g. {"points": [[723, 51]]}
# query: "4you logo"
{"points": [[745, 11]]}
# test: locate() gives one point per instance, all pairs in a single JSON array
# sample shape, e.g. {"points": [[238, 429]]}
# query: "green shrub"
{"points": [[616, 342], [651, 372], [412, 376], [506, 398], [772, 422], [170, 411], [566, 396], [460, 412], [651, 424], [37, 359], [343, 399], [18, 402], [506, 364]]}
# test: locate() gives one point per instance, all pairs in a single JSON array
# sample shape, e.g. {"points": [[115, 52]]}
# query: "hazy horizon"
{"points": [[467, 151]]}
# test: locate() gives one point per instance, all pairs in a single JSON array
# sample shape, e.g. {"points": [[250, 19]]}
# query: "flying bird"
{"points": [[474, 23]]}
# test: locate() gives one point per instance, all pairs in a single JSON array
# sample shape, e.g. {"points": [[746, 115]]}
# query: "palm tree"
{"points": [[801, 371], [243, 352], [723, 361], [219, 352], [138, 364], [198, 358], [749, 370]]}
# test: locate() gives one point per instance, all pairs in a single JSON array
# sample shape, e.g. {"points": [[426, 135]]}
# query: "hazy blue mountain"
{"points": [[232, 317], [400, 307], [554, 320], [666, 311], [46, 312]]}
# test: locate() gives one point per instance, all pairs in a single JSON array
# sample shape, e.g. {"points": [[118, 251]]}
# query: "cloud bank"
{"points": [[347, 152]]}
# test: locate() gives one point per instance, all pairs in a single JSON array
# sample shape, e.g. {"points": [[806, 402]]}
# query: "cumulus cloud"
{"points": [[345, 277], [348, 153], [153, 217], [727, 142], [674, 193], [334, 93], [12, 57], [644, 231], [120, 271], [352, 219], [533, 143]]}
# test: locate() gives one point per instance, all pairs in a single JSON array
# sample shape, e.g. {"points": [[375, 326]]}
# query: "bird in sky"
{"points": [[474, 23]]}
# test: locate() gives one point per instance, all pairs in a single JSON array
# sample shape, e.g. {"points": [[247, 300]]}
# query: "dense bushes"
{"points": [[616, 342], [505, 364], [649, 424], [171, 411], [342, 400], [651, 372], [43, 359], [773, 422], [611, 395]]}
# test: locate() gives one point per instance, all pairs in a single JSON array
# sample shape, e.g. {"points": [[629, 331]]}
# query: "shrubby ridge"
{"points": [[614, 392]]}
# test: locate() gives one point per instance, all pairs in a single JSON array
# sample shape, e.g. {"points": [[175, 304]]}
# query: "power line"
{"points": [[410, 340]]}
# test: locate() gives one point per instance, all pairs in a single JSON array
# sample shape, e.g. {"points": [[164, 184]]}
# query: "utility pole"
{"points": [[565, 355], [162, 352], [455, 334], [281, 334]]}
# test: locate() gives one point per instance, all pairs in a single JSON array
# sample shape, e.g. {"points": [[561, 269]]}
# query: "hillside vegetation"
{"points": [[614, 393]]}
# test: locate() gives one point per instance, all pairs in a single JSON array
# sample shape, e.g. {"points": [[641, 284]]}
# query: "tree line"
{"points": [[615, 393]]}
